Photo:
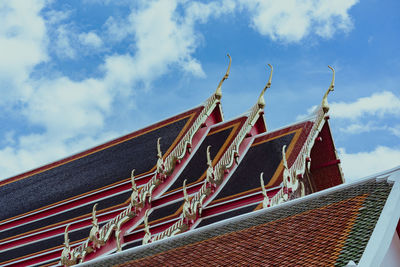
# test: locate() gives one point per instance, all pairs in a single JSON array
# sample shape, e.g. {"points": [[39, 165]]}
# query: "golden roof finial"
{"points": [[218, 92], [209, 162], [261, 101], [325, 106]]}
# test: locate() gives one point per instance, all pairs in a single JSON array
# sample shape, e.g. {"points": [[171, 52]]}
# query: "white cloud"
{"points": [[378, 104], [357, 165], [71, 114], [68, 111], [116, 29], [23, 43], [395, 130], [91, 39], [292, 20], [56, 16], [68, 108], [161, 39], [63, 43], [310, 111], [357, 128]]}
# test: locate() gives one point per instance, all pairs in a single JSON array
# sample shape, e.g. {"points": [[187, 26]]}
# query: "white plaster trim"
{"points": [[382, 235]]}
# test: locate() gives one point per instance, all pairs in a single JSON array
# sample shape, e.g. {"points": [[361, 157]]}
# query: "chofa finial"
{"points": [[261, 101], [325, 106], [218, 92]]}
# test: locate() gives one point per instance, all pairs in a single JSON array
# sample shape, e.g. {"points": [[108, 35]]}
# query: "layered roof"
{"points": [[348, 223], [210, 171]]}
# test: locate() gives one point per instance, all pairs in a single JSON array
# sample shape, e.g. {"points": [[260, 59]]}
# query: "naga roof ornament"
{"points": [[261, 101], [324, 103], [218, 92]]}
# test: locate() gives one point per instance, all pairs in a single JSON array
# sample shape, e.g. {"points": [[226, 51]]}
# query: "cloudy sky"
{"points": [[74, 74]]}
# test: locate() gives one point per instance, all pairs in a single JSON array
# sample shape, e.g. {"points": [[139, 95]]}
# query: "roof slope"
{"points": [[330, 227], [92, 169]]}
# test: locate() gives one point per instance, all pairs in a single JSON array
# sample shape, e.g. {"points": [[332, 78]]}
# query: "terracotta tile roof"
{"points": [[325, 230]]}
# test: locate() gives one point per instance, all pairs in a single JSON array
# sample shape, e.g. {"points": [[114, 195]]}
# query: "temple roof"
{"points": [[331, 227], [175, 177]]}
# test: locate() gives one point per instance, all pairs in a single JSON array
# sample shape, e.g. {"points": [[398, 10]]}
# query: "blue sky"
{"points": [[74, 74]]}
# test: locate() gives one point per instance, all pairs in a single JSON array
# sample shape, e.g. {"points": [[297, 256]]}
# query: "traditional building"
{"points": [[171, 194]]}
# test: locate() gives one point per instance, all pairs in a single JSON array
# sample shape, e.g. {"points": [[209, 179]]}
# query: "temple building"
{"points": [[195, 189]]}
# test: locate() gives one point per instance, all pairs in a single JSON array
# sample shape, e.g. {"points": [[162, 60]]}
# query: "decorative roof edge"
{"points": [[192, 208], [292, 177], [165, 168]]}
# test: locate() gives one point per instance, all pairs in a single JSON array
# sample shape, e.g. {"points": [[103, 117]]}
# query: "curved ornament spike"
{"points": [[209, 162], [67, 258], [135, 194], [325, 106], [66, 238], [284, 157], [147, 235], [210, 175], [94, 219], [94, 231], [261, 101], [185, 194], [286, 173], [159, 154], [264, 192], [134, 187], [160, 162], [186, 212], [218, 92]]}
